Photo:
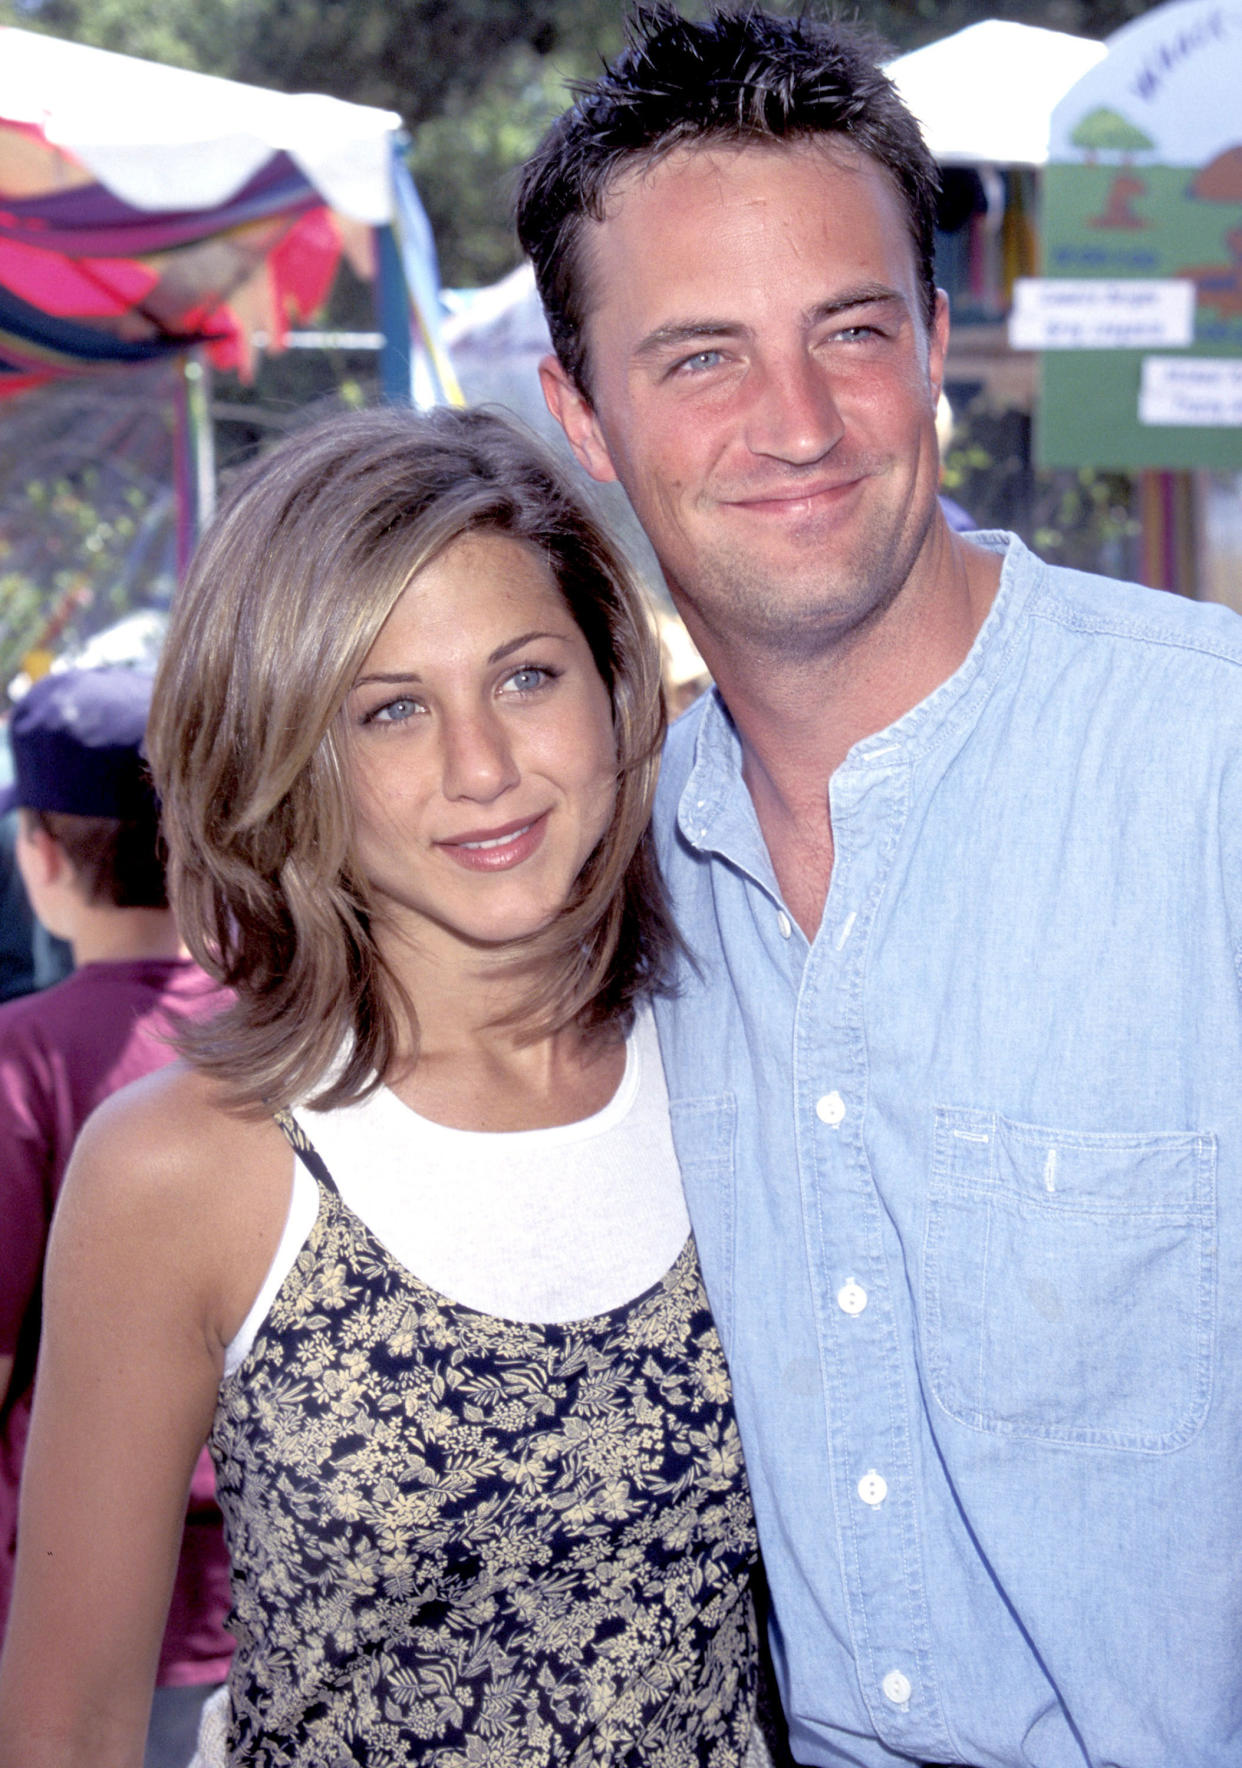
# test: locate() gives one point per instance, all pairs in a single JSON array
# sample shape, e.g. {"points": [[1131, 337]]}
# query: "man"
{"points": [[88, 850], [957, 846]]}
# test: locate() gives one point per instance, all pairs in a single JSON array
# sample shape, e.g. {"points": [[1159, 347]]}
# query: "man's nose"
{"points": [[793, 414], [478, 755]]}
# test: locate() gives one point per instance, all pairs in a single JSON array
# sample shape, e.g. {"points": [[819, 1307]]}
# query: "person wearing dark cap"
{"points": [[88, 849], [30, 958]]}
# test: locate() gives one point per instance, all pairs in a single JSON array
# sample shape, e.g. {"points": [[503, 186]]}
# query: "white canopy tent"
{"points": [[986, 94], [162, 137]]}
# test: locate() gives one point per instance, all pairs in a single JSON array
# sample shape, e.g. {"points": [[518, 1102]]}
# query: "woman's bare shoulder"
{"points": [[171, 1161], [179, 1122]]}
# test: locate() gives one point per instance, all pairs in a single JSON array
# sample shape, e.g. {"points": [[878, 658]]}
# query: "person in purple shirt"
{"points": [[88, 851], [956, 844]]}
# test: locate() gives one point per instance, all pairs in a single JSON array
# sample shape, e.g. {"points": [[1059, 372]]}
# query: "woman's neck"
{"points": [[498, 1083], [475, 1071]]}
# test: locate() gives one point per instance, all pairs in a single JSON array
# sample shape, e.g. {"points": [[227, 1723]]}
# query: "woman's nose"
{"points": [[478, 756]]}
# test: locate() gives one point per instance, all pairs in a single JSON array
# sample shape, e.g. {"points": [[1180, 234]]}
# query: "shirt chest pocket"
{"points": [[1068, 1282]]}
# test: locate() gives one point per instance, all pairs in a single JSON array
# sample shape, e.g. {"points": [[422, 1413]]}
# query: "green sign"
{"points": [[1144, 183]]}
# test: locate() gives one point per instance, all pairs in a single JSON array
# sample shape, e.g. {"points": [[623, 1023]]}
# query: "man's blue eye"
{"points": [[700, 359]]}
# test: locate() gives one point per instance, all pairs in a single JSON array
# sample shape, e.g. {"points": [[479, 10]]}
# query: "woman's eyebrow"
{"points": [[396, 678], [525, 638], [411, 677]]}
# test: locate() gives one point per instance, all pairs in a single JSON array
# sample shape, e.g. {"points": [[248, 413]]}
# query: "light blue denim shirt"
{"points": [[966, 1177]]}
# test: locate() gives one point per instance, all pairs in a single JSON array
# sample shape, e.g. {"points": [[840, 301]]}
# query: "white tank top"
{"points": [[555, 1224]]}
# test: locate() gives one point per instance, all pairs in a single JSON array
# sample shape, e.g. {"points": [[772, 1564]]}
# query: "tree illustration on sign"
{"points": [[1107, 131], [1220, 285]]}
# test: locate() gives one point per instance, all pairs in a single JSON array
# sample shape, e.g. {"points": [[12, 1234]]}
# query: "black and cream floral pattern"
{"points": [[464, 1542]]}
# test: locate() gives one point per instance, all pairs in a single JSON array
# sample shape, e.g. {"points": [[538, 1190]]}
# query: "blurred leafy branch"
{"points": [[85, 539], [1084, 518]]}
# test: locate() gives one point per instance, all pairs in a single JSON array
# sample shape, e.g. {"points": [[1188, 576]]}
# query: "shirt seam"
{"points": [[1057, 613]]}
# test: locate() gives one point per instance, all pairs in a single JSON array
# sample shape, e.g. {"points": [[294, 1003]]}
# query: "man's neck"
{"points": [[108, 935], [798, 718]]}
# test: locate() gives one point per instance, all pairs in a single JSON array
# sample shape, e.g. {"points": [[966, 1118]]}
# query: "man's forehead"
{"points": [[639, 254], [655, 194], [651, 173]]}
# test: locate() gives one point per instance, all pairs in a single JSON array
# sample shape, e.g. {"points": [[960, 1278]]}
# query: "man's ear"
{"points": [[40, 857], [938, 345], [573, 412]]}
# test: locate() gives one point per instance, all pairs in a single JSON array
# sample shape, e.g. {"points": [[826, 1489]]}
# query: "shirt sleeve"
{"points": [[25, 1187]]}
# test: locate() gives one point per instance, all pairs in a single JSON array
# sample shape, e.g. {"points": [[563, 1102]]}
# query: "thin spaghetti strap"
{"points": [[305, 1149]]}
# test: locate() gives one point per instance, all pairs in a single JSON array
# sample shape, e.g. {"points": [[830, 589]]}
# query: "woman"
{"points": [[469, 1415]]}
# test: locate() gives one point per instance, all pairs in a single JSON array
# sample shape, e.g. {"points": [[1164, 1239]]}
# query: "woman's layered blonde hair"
{"points": [[247, 738]]}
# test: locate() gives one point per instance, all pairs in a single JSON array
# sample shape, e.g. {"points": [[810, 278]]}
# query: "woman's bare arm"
{"points": [[168, 1220]]}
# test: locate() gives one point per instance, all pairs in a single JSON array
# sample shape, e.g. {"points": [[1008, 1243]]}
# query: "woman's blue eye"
{"points": [[394, 712], [525, 681]]}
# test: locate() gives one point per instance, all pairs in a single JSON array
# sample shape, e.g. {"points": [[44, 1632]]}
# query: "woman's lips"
{"points": [[495, 850]]}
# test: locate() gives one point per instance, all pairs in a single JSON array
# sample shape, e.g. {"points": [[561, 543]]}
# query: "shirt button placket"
{"points": [[897, 1688], [831, 1110], [873, 1489], [886, 1597]]}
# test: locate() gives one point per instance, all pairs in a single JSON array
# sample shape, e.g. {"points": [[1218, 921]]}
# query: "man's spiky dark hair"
{"points": [[738, 76]]}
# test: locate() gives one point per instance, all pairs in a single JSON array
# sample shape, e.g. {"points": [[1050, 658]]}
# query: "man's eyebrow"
{"points": [[678, 333], [867, 294]]}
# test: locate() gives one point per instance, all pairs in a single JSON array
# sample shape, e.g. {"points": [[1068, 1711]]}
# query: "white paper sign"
{"points": [[1198, 391], [1064, 313]]}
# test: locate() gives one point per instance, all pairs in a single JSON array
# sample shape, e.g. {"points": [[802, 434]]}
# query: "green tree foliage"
{"points": [[476, 81]]}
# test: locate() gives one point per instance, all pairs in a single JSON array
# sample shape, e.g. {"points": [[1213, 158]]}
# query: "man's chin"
{"points": [[797, 610]]}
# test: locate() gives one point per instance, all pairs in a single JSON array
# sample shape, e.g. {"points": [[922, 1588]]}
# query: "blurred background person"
{"points": [[30, 958], [89, 855]]}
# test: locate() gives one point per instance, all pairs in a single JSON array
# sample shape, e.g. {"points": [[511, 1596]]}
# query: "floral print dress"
{"points": [[467, 1542]]}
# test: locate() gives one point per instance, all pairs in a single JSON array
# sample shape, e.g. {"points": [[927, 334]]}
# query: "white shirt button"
{"points": [[873, 1489], [785, 925], [830, 1109], [851, 1297], [897, 1688]]}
